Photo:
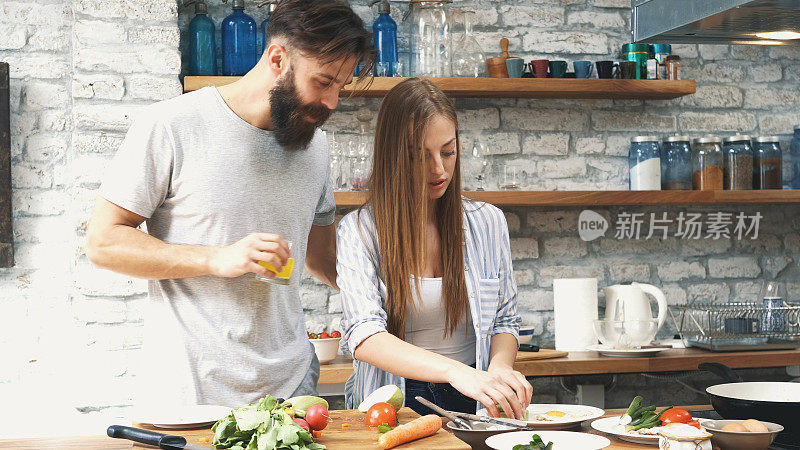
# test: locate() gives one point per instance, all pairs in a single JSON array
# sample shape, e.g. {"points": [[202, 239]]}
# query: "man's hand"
{"points": [[243, 256]]}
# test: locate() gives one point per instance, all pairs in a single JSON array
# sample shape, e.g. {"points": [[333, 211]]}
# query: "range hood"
{"points": [[714, 21]]}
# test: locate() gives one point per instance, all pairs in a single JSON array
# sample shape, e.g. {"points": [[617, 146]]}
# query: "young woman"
{"points": [[429, 297]]}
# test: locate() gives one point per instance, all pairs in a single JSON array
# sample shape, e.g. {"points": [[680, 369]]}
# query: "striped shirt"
{"points": [[490, 284]]}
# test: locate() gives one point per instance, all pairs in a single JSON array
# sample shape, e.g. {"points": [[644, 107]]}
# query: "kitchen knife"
{"points": [[514, 423], [165, 441]]}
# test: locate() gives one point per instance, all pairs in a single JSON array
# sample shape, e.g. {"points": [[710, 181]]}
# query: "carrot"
{"points": [[416, 429]]}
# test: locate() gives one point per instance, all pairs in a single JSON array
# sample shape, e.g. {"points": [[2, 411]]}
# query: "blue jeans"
{"points": [[441, 394]]}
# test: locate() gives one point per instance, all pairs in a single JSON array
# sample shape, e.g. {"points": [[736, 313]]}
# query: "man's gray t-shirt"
{"points": [[203, 176]]}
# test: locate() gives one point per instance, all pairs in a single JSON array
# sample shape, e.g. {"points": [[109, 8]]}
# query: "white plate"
{"points": [[182, 416], [624, 353], [560, 440], [586, 412], [610, 425]]}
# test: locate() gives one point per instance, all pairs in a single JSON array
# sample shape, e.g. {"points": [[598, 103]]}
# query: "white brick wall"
{"points": [[82, 68]]}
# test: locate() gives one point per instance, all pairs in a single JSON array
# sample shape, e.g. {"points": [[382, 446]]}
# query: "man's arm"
{"points": [[113, 242], [321, 254]]}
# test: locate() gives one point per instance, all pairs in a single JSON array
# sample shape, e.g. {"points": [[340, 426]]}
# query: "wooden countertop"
{"points": [[444, 440], [584, 363]]}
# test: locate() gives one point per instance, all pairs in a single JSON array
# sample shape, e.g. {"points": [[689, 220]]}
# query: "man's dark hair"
{"points": [[327, 30]]}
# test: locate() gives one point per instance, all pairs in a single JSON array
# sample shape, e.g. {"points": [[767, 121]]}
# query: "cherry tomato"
{"points": [[313, 336], [676, 415], [336, 334], [381, 413], [324, 335], [695, 423]]}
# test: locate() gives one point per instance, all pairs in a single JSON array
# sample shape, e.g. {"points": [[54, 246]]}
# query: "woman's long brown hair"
{"points": [[398, 197]]}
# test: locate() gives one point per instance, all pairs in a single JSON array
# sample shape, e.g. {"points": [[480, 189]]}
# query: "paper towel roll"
{"points": [[574, 310]]}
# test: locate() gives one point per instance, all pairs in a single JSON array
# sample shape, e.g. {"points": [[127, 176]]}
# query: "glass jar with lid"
{"points": [[644, 163], [737, 163], [794, 151], [676, 163], [767, 163], [707, 163]]}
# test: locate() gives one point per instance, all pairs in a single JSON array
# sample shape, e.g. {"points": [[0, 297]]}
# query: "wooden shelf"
{"points": [[347, 199], [510, 87]]}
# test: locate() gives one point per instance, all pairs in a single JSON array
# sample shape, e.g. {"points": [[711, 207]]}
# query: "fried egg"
{"points": [[560, 416]]}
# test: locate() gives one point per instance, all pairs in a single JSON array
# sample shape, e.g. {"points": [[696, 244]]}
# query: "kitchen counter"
{"points": [[333, 436], [584, 363]]}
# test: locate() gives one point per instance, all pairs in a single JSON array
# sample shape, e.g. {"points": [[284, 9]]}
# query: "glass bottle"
{"points": [[794, 151], [238, 41], [468, 57], [361, 166], [676, 163], [202, 47], [429, 38], [767, 163], [384, 36], [644, 163], [773, 295], [737, 163], [707, 163], [262, 39]]}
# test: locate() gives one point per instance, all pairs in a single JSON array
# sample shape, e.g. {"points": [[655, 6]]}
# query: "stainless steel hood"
{"points": [[713, 21]]}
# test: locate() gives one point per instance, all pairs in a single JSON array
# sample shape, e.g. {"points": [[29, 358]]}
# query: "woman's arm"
{"points": [[503, 354], [391, 354]]}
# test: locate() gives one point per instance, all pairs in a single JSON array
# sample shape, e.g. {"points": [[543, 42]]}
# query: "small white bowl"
{"points": [[525, 335], [740, 440], [326, 349]]}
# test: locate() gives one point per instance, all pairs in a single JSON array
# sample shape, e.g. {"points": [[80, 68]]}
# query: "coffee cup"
{"points": [[539, 67], [583, 69], [515, 67], [607, 69], [557, 69]]}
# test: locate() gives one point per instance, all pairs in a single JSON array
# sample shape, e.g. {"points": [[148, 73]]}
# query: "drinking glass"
{"points": [[284, 276]]}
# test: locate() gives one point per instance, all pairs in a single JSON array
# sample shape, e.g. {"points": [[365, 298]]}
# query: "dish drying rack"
{"points": [[737, 326]]}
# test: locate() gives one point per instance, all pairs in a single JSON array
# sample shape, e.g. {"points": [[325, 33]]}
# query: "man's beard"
{"points": [[289, 115]]}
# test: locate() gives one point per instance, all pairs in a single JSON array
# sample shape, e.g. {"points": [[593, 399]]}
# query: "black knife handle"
{"points": [[145, 436]]}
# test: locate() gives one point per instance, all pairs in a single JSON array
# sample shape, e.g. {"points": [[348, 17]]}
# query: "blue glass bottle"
{"points": [[202, 47], [794, 150], [384, 32], [644, 162], [263, 39], [238, 41]]}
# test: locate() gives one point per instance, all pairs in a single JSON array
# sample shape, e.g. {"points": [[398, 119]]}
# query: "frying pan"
{"points": [[775, 401]]}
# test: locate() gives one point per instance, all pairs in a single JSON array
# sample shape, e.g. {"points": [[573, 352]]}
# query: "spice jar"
{"points": [[767, 163], [644, 162], [707, 163], [737, 156], [673, 67], [676, 163]]}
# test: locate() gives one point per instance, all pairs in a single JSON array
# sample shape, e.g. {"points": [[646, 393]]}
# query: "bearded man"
{"points": [[233, 185]]}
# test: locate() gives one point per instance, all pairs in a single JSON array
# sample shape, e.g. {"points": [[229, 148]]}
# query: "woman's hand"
{"points": [[489, 388], [515, 381]]}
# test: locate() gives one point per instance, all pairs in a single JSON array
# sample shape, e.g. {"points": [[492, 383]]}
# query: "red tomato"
{"points": [[676, 415], [317, 417], [324, 335], [695, 423], [303, 424], [381, 413], [336, 334]]}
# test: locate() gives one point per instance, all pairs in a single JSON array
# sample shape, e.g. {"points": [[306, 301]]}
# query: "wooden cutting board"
{"points": [[354, 436], [543, 353]]}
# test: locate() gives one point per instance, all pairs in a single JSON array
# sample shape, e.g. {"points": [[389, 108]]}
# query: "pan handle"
{"points": [[722, 371]]}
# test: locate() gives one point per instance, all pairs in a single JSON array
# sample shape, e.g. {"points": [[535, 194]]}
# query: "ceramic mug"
{"points": [[607, 69], [515, 67], [627, 70], [539, 68], [558, 69], [583, 69]]}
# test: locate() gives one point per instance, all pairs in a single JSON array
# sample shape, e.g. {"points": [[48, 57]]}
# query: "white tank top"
{"points": [[425, 325]]}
